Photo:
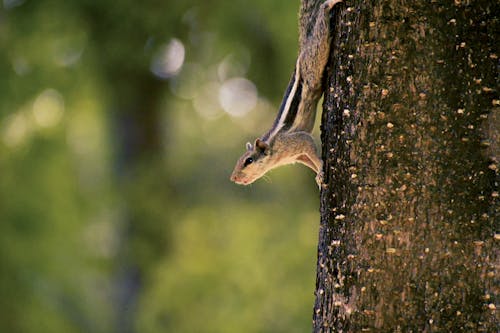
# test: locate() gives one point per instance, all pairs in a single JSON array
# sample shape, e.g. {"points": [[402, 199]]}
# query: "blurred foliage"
{"points": [[115, 206]]}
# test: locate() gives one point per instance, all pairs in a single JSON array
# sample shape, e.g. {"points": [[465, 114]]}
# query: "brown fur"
{"points": [[295, 143]]}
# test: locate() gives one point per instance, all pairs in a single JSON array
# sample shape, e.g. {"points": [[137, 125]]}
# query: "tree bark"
{"points": [[407, 239]]}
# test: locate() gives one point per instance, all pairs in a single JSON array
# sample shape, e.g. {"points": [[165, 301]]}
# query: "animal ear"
{"points": [[249, 146], [262, 146]]}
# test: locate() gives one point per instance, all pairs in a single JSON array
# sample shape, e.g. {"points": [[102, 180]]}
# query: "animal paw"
{"points": [[319, 179]]}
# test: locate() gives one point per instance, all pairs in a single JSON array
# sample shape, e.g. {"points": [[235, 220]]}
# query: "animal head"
{"points": [[252, 164]]}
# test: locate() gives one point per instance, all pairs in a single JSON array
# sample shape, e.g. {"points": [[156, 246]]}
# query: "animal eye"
{"points": [[248, 161]]}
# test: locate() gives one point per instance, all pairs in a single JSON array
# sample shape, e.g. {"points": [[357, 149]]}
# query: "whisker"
{"points": [[267, 179]]}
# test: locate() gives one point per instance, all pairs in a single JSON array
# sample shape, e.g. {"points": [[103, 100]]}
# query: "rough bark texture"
{"points": [[407, 240]]}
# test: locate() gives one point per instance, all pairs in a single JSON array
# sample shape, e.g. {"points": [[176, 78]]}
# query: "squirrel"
{"points": [[289, 140]]}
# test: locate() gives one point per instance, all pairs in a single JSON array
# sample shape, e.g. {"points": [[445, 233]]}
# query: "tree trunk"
{"points": [[410, 126]]}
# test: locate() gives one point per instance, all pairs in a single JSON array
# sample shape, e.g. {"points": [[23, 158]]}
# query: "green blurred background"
{"points": [[120, 122]]}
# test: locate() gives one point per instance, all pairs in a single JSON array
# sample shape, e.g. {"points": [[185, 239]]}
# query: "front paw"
{"points": [[319, 178]]}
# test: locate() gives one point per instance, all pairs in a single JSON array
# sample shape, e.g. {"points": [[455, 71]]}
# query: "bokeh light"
{"points": [[169, 59], [48, 108], [238, 96]]}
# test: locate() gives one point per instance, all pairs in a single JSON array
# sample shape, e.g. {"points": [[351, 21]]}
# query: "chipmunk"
{"points": [[289, 140]]}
